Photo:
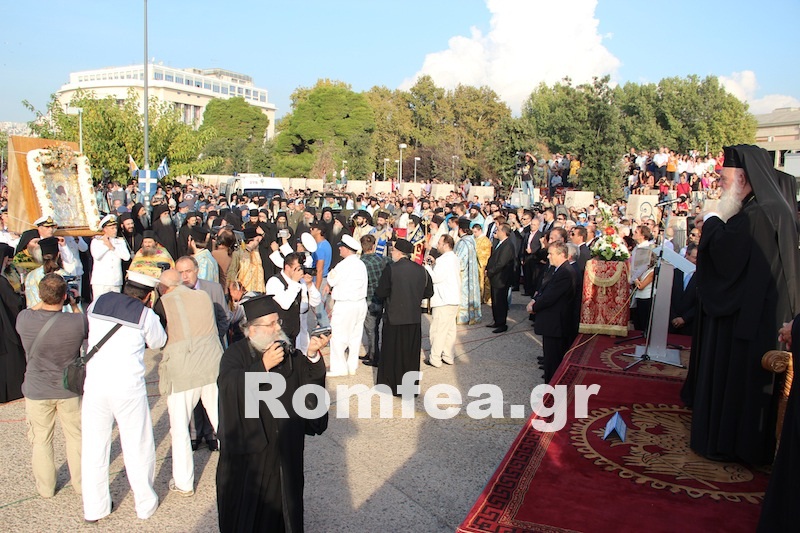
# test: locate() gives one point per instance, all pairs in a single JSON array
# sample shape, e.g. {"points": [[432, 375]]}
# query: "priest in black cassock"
{"points": [[402, 286], [779, 511], [12, 355], [260, 472], [747, 282]]}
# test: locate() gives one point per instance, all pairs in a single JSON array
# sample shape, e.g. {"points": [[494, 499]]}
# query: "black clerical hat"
{"points": [[259, 306], [49, 246], [404, 246]]}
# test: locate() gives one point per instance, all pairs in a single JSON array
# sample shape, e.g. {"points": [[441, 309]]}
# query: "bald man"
{"points": [[189, 368]]}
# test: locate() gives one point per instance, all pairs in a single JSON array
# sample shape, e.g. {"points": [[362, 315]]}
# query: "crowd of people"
{"points": [[225, 286]]}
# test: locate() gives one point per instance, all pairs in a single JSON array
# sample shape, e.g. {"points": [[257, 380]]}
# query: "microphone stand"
{"points": [[654, 284]]}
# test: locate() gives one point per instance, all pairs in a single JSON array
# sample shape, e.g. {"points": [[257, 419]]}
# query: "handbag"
{"points": [[75, 373]]}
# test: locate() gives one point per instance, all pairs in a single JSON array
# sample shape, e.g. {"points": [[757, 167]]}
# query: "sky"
{"points": [[508, 45]]}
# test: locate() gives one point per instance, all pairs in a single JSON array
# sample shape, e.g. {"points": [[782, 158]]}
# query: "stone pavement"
{"points": [[400, 474]]}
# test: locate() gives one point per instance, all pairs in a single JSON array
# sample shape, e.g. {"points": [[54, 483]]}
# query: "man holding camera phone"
{"points": [[291, 288]]}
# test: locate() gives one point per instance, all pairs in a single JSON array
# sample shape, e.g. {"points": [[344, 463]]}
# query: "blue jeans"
{"points": [[321, 311], [527, 188]]}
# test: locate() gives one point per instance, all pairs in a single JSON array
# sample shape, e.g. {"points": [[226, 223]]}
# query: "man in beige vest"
{"points": [[189, 368]]}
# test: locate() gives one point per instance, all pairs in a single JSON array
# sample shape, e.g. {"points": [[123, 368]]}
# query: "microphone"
{"points": [[667, 202]]}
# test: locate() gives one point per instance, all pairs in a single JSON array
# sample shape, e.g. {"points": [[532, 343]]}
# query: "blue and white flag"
{"points": [[162, 169]]}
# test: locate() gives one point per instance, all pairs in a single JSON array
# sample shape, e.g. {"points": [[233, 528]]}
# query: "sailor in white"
{"points": [[115, 390], [108, 253]]}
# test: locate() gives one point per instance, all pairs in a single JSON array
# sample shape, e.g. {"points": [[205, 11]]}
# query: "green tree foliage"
{"points": [[598, 123], [112, 131], [683, 114], [329, 113], [582, 121], [237, 136], [393, 124]]}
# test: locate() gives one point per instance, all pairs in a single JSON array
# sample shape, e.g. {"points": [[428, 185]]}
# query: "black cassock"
{"points": [[260, 471], [743, 301], [779, 512], [12, 355], [403, 285]]}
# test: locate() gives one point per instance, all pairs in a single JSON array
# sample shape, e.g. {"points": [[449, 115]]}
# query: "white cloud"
{"points": [[529, 41], [744, 86]]}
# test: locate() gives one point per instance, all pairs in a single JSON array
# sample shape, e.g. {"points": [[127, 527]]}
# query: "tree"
{"points": [[328, 113], [234, 118], [583, 121], [111, 132]]}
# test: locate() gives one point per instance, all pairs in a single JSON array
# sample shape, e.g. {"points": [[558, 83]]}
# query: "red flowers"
{"points": [[610, 230]]}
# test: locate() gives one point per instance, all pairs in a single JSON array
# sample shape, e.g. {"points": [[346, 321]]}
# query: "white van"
{"points": [[252, 185]]}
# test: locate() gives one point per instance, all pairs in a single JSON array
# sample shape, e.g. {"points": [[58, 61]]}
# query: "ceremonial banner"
{"points": [[604, 302], [50, 178]]}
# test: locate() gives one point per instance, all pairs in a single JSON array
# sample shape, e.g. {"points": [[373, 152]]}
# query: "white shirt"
{"points": [[118, 369], [349, 280], [446, 277], [75, 248], [284, 296], [107, 269]]}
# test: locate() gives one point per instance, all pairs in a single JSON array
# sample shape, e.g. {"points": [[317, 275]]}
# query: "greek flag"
{"points": [[162, 169]]}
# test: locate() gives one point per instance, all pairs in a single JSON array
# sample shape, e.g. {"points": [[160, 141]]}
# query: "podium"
{"points": [[656, 347], [604, 302]]}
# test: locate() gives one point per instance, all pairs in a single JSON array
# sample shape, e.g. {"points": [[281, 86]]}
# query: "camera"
{"points": [[319, 331], [163, 266], [73, 288]]}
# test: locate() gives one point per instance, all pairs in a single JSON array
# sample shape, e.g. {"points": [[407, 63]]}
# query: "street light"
{"points": [[385, 160], [397, 163], [454, 168], [78, 111], [147, 177], [402, 147], [415, 168]]}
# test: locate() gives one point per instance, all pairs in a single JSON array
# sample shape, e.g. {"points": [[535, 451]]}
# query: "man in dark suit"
{"points": [[531, 244], [402, 286], [577, 236], [554, 309], [500, 270], [683, 304]]}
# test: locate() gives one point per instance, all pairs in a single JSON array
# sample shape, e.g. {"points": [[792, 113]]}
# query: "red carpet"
{"points": [[572, 480]]}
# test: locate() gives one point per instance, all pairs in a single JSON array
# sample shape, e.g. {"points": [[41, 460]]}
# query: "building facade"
{"points": [[189, 90], [779, 133]]}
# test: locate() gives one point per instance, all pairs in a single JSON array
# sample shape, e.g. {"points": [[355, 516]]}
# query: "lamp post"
{"points": [[397, 163], [78, 111], [385, 160], [454, 168], [146, 120], [415, 168], [402, 146]]}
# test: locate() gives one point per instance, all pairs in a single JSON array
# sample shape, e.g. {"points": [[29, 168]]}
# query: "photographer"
{"points": [[45, 395], [294, 290], [526, 167]]}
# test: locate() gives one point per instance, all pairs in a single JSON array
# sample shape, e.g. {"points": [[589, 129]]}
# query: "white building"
{"points": [[189, 90]]}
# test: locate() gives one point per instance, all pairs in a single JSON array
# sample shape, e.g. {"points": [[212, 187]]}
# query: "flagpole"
{"points": [[146, 120]]}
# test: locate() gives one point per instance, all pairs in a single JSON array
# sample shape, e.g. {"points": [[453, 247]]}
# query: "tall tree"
{"points": [[328, 113]]}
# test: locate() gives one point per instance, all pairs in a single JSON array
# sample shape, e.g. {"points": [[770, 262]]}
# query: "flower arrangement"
{"points": [[609, 246], [57, 156]]}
